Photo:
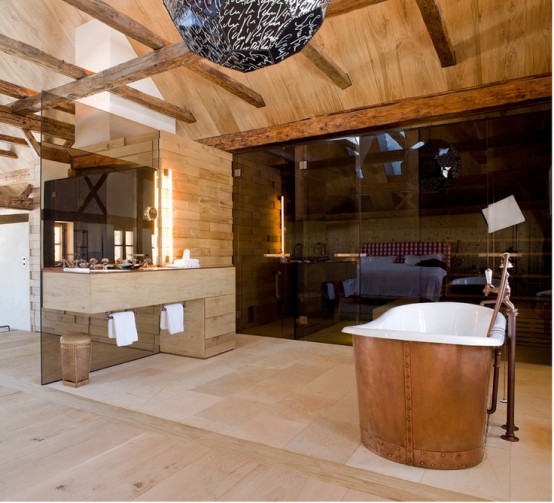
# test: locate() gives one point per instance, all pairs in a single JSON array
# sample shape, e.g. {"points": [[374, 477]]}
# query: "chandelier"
{"points": [[246, 34]]}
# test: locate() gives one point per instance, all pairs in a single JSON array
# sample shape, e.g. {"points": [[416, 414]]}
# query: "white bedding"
{"points": [[383, 279]]}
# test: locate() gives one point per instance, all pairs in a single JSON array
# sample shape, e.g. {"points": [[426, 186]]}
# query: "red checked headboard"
{"points": [[402, 248]]}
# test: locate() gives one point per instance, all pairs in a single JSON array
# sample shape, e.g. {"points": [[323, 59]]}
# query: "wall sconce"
{"points": [[246, 34], [165, 223], [282, 224], [282, 228]]}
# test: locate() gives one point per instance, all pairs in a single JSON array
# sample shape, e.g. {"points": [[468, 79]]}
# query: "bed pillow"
{"points": [[389, 259], [414, 259]]}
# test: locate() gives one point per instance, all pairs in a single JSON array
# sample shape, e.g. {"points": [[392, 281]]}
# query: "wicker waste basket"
{"points": [[75, 359]]}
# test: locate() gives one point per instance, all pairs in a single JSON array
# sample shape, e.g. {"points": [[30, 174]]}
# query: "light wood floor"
{"points": [[272, 420]]}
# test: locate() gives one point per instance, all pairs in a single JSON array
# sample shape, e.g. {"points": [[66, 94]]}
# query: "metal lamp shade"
{"points": [[246, 34]]}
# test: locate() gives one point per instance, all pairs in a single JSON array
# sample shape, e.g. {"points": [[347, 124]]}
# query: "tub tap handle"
{"points": [[488, 275]]}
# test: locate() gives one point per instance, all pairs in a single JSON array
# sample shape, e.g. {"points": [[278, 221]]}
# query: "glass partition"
{"points": [[99, 179], [336, 232]]}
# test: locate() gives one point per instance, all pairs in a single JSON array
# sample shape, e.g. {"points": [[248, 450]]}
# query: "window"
{"points": [[58, 242], [124, 244]]}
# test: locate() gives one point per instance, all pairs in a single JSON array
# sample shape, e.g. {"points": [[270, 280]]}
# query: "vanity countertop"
{"points": [[98, 291], [146, 269]]}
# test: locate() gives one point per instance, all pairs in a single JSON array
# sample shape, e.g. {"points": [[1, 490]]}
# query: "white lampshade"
{"points": [[502, 214]]}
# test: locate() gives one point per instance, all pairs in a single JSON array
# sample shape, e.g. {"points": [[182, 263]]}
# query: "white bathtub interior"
{"points": [[437, 322]]}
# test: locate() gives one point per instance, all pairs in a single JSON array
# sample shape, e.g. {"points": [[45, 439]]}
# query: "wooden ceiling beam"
{"points": [[14, 176], [162, 60], [338, 7], [43, 125], [315, 55], [404, 113], [25, 51], [108, 15], [15, 91], [20, 92], [81, 159], [32, 141], [155, 104], [13, 139], [432, 17], [100, 10], [217, 77], [8, 153]]}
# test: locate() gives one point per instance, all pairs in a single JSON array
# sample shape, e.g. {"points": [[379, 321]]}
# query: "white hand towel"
{"points": [[350, 286], [330, 290], [172, 318], [122, 328]]}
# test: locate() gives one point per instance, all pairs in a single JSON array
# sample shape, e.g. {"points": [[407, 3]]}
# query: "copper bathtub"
{"points": [[422, 375]]}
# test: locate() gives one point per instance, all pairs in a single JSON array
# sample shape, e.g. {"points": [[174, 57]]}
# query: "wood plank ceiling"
{"points": [[389, 60]]}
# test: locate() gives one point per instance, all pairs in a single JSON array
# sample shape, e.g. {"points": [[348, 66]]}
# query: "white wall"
{"points": [[15, 278], [33, 251]]}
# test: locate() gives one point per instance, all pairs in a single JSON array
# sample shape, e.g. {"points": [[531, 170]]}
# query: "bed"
{"points": [[404, 269]]}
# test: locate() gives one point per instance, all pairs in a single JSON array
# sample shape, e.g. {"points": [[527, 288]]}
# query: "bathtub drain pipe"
{"points": [[494, 398], [510, 426]]}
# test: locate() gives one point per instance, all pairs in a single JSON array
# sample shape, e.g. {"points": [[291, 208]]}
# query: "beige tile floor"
{"points": [[297, 397]]}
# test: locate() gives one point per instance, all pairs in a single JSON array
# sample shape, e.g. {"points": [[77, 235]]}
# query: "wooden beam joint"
{"points": [[19, 202]]}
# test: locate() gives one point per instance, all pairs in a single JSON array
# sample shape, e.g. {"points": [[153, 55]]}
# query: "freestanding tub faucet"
{"points": [[503, 298]]}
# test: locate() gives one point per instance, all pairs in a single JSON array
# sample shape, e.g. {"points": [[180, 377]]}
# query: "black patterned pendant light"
{"points": [[246, 34]]}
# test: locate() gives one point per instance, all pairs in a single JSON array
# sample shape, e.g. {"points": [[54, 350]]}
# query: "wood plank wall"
{"points": [[202, 199]]}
